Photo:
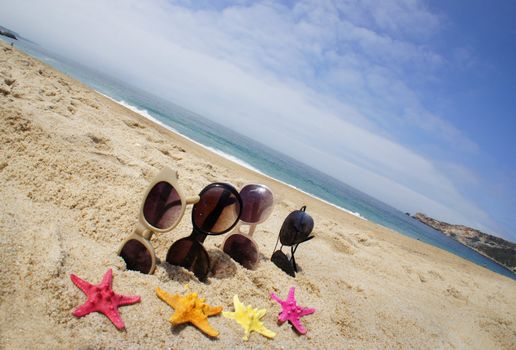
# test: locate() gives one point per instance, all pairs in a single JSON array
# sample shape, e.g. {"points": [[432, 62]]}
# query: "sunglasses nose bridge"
{"points": [[147, 234], [193, 200], [143, 231], [251, 230], [198, 236]]}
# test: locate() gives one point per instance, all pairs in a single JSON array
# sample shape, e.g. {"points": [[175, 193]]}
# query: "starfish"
{"points": [[190, 308], [249, 319], [101, 298], [291, 311]]}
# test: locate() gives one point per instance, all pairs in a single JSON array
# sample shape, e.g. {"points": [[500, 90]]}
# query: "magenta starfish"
{"points": [[291, 311], [101, 298]]}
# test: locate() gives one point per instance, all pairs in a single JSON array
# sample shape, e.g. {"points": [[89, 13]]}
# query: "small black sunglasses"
{"points": [[296, 229]]}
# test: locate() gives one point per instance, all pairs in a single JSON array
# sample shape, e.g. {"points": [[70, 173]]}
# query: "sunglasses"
{"points": [[161, 210], [257, 203], [295, 230], [217, 212]]}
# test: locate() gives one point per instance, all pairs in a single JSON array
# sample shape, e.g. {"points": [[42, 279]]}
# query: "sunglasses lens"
{"points": [[137, 257], [242, 250], [296, 228], [162, 206], [217, 211], [280, 260], [191, 255], [257, 203]]}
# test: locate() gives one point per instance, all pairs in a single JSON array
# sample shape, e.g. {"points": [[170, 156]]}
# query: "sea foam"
{"points": [[144, 113]]}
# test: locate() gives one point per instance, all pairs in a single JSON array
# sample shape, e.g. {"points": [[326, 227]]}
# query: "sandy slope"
{"points": [[73, 167]]}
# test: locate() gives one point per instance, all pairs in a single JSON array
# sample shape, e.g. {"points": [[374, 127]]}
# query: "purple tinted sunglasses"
{"points": [[257, 203]]}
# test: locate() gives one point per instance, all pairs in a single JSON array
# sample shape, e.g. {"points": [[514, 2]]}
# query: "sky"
{"points": [[410, 101]]}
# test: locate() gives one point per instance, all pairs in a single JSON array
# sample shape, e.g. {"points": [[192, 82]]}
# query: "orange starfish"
{"points": [[190, 308]]}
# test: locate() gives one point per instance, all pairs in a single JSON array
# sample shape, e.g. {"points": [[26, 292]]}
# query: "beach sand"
{"points": [[73, 169]]}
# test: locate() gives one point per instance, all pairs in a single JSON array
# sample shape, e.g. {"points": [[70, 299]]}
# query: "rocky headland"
{"points": [[496, 248], [7, 33]]}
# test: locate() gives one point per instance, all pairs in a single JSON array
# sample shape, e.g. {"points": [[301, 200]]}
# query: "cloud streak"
{"points": [[328, 83]]}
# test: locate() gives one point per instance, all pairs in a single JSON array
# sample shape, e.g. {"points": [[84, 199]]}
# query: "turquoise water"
{"points": [[260, 157]]}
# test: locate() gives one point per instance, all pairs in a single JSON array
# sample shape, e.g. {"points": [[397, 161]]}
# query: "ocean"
{"points": [[259, 157]]}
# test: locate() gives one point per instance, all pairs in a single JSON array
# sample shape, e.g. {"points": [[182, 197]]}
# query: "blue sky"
{"points": [[413, 102]]}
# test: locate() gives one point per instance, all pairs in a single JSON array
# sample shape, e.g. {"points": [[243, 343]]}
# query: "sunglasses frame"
{"points": [[252, 227], [198, 235], [144, 230]]}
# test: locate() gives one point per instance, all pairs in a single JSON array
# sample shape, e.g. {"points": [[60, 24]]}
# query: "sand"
{"points": [[73, 169]]}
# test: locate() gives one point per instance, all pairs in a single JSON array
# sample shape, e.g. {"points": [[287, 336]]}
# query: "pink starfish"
{"points": [[101, 298], [291, 311]]}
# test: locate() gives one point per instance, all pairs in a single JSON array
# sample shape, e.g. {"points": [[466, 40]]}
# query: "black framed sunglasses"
{"points": [[296, 229], [217, 212]]}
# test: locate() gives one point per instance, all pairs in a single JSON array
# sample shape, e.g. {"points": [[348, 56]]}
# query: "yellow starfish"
{"points": [[249, 319], [190, 308]]}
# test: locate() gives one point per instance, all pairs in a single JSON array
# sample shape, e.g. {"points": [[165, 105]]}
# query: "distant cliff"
{"points": [[496, 248], [6, 32]]}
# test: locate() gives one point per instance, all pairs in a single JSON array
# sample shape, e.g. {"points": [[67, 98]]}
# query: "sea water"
{"points": [[257, 156]]}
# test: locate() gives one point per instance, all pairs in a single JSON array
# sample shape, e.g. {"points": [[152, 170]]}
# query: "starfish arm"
{"points": [[227, 314], [83, 310], [246, 334], [128, 300], [212, 310], [307, 311], [114, 317], [176, 319], [283, 316], [276, 298], [260, 313], [172, 300], [107, 279], [205, 326], [239, 307], [266, 332], [79, 282], [298, 326], [291, 296]]}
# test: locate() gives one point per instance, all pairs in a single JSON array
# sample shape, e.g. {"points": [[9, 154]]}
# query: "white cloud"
{"points": [[319, 81]]}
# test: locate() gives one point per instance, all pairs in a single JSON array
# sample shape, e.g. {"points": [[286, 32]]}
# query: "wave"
{"points": [[144, 113]]}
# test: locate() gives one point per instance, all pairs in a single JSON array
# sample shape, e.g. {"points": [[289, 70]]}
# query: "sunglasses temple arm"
{"points": [[292, 252], [252, 227], [190, 258], [143, 231], [165, 208], [159, 213], [192, 200], [277, 241], [212, 217], [294, 248]]}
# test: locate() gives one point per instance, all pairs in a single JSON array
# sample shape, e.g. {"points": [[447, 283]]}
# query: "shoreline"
{"points": [[153, 121], [372, 287], [145, 114], [472, 248]]}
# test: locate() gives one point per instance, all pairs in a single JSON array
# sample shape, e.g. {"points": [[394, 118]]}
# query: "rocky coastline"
{"points": [[495, 248], [6, 32]]}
